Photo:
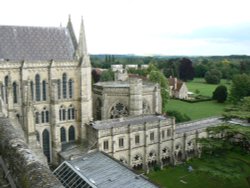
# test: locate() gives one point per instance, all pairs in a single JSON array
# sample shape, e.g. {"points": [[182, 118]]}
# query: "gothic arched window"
{"points": [[14, 92], [59, 89], [71, 112], [71, 133], [37, 136], [71, 87], [37, 118], [44, 90], [6, 81], [32, 89], [98, 108], [46, 144], [45, 115], [62, 113], [118, 110], [64, 80], [63, 134], [38, 89]]}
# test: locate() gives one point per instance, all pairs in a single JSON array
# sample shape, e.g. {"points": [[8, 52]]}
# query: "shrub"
{"points": [[220, 94], [179, 117]]}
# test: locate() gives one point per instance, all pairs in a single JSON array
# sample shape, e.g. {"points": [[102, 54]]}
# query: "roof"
{"points": [[35, 43], [198, 124], [110, 123], [99, 170]]}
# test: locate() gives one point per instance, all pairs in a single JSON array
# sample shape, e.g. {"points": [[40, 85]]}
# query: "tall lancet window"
{"points": [[71, 86], [38, 88], [14, 92], [32, 89], [44, 90], [6, 81], [59, 89], [64, 80]]}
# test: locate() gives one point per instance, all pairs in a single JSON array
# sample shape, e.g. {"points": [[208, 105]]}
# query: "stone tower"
{"points": [[85, 85], [135, 100]]}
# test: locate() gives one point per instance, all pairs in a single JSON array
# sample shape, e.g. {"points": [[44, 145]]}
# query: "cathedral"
{"points": [[46, 84], [46, 87]]}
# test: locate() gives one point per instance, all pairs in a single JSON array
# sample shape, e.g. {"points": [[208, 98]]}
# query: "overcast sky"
{"points": [[144, 27]]}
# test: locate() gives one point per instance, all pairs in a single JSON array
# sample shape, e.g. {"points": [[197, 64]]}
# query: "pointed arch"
{"points": [[62, 113], [44, 84], [64, 85], [15, 97], [38, 88], [71, 133], [63, 134], [71, 88], [46, 144], [32, 89], [59, 89], [37, 121], [6, 81]]}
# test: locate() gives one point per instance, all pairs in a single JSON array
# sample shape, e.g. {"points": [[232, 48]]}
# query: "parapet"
{"points": [[22, 164]]}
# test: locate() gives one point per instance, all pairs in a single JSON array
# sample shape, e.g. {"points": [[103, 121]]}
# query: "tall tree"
{"points": [[186, 70], [240, 87], [220, 94]]}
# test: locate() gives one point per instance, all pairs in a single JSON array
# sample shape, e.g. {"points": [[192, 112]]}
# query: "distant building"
{"points": [[177, 88], [117, 67], [144, 66], [121, 99], [132, 66]]}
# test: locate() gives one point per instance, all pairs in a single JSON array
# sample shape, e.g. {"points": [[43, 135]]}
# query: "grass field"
{"points": [[179, 177], [196, 110], [201, 109], [204, 88]]}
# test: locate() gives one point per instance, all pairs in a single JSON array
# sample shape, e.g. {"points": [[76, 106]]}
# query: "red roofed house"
{"points": [[178, 88]]}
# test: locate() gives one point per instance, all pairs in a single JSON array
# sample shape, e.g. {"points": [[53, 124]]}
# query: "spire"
{"points": [[71, 32], [82, 47]]}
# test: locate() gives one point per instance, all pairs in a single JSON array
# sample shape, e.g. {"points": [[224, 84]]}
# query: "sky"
{"points": [[143, 27]]}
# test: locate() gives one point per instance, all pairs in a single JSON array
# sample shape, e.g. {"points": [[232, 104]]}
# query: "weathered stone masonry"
{"points": [[23, 165]]}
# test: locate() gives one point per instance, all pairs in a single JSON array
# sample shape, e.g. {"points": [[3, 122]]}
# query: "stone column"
{"points": [[55, 139], [172, 159], [129, 146], [145, 156], [159, 145]]}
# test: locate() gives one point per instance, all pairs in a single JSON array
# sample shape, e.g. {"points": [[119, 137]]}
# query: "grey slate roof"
{"points": [[107, 124], [101, 171], [198, 124], [35, 43]]}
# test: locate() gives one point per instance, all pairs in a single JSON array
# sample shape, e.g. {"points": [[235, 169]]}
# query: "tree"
{"points": [[240, 110], [186, 70], [107, 75], [240, 87], [220, 94], [222, 140], [200, 70], [158, 77], [179, 117], [213, 76]]}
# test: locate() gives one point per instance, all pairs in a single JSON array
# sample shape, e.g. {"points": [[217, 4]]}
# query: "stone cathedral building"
{"points": [[45, 83], [45, 86]]}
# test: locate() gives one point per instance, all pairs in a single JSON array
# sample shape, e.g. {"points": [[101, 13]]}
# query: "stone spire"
{"points": [[72, 33], [81, 53], [82, 46]]}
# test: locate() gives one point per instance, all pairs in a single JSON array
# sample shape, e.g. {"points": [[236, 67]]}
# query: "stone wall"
{"points": [[23, 165]]}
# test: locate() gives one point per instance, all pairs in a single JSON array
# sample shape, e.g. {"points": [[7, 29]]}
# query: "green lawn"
{"points": [[204, 88], [197, 110], [179, 177]]}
